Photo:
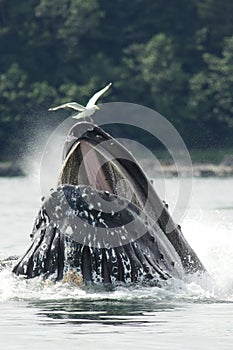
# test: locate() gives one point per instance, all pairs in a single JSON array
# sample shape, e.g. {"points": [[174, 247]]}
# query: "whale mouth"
{"points": [[125, 242], [100, 165]]}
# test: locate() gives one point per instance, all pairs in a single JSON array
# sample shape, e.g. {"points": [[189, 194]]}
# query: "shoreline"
{"points": [[10, 169], [196, 170]]}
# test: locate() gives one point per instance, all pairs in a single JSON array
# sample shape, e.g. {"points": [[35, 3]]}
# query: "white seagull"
{"points": [[90, 108]]}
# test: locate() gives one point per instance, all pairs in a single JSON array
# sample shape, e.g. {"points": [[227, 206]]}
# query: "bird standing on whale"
{"points": [[90, 108]]}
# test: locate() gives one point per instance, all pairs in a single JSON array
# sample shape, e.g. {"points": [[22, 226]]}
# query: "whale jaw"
{"points": [[104, 223]]}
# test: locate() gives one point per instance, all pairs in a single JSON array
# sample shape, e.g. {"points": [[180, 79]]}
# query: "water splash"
{"points": [[197, 289]]}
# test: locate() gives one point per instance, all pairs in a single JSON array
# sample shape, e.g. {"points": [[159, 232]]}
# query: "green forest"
{"points": [[175, 56]]}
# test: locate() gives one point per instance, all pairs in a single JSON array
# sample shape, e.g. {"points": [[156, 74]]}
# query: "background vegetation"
{"points": [[175, 56]]}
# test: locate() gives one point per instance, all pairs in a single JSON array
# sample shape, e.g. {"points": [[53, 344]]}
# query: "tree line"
{"points": [[175, 56]]}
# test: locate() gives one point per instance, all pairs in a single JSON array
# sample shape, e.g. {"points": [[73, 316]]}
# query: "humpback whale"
{"points": [[104, 222]]}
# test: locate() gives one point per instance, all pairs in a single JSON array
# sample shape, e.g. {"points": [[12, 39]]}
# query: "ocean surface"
{"points": [[196, 314]]}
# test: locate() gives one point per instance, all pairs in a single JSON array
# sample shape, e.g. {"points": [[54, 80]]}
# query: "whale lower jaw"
{"points": [[93, 246]]}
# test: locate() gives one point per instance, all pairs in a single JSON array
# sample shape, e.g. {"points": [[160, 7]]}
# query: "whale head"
{"points": [[105, 222]]}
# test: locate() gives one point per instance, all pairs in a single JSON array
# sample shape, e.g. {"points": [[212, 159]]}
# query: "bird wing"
{"points": [[97, 95], [73, 105], [79, 115]]}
